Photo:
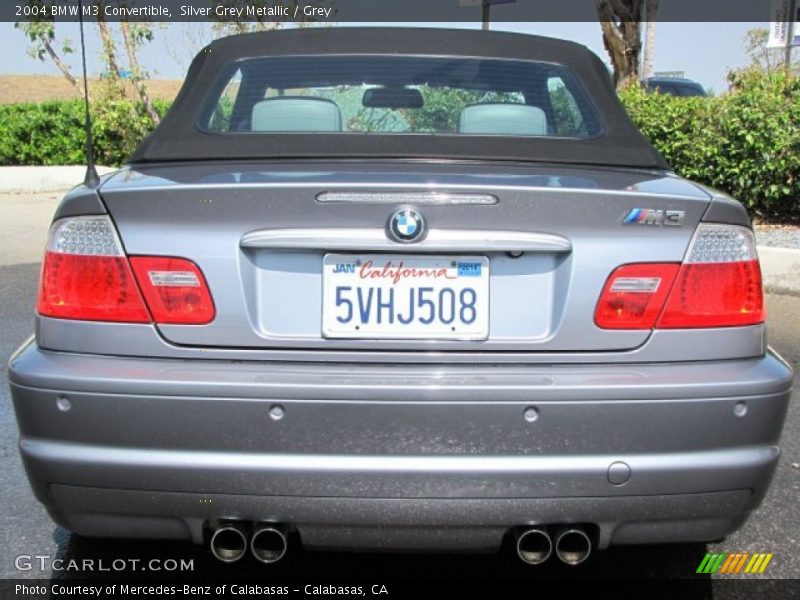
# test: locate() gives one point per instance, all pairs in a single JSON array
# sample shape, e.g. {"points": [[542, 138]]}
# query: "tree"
{"points": [[42, 33], [43, 36], [133, 35], [763, 57], [109, 52], [620, 21]]}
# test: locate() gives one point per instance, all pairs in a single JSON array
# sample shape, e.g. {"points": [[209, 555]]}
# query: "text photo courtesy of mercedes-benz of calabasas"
{"points": [[400, 289]]}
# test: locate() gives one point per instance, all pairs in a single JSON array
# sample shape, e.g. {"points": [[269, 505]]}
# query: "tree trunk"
{"points": [[109, 54], [136, 74], [620, 21], [651, 11], [57, 61]]}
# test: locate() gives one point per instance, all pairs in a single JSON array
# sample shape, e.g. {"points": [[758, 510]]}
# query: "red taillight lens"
{"points": [[91, 288], [634, 296], [718, 285], [715, 295], [85, 274], [175, 290]]}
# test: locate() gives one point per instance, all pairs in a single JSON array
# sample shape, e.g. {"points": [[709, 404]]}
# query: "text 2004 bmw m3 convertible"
{"points": [[405, 289]]}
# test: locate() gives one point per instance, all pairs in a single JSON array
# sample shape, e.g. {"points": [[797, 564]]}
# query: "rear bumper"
{"points": [[399, 456]]}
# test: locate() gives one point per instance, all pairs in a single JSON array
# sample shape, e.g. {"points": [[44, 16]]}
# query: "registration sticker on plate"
{"points": [[405, 297]]}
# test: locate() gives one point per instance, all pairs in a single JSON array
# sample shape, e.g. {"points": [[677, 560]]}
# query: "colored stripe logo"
{"points": [[637, 215], [732, 563], [652, 216]]}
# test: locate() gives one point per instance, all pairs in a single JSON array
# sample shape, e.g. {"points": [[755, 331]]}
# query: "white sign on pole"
{"points": [[796, 28], [781, 26]]}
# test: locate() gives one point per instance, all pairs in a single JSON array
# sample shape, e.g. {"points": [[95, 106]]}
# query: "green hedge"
{"points": [[51, 133], [745, 142]]}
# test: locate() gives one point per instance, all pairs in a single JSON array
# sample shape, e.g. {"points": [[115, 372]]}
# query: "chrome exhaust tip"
{"points": [[573, 546], [268, 544], [228, 542], [534, 546]]}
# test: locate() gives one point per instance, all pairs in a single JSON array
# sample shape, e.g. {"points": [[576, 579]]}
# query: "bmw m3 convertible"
{"points": [[399, 289]]}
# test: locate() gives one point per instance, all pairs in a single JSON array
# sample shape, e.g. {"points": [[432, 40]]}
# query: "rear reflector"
{"points": [[175, 290], [85, 274], [718, 285]]}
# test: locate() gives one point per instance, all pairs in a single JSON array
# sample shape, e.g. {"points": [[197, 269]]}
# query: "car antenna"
{"points": [[92, 179]]}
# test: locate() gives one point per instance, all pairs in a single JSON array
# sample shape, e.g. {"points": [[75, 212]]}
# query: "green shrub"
{"points": [[51, 133], [745, 142]]}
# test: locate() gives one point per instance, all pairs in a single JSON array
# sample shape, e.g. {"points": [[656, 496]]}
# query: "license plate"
{"points": [[405, 297]]}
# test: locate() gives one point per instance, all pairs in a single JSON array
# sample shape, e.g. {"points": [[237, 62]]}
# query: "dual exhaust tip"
{"points": [[268, 543], [231, 541], [572, 545]]}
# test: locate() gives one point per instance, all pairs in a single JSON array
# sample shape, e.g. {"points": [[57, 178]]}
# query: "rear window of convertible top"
{"points": [[389, 94]]}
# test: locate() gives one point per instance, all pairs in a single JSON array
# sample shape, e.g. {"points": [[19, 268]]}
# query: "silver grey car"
{"points": [[399, 289]]}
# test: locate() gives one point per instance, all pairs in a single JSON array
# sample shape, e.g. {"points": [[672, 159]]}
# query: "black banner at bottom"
{"points": [[699, 588]]}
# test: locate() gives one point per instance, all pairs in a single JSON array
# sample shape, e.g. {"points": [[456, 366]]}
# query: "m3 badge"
{"points": [[653, 216]]}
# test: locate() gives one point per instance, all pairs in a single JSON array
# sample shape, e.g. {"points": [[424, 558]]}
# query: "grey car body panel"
{"points": [[94, 337], [362, 433], [79, 201], [724, 209], [271, 298], [36, 368]]}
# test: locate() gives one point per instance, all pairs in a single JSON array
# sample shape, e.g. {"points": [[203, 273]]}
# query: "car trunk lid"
{"points": [[260, 232]]}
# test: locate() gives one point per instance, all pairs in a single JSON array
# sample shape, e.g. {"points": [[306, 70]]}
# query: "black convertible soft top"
{"points": [[178, 138]]}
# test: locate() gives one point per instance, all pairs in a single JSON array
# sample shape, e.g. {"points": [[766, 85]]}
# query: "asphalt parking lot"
{"points": [[27, 530]]}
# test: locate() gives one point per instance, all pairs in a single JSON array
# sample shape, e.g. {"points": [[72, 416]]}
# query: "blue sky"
{"points": [[704, 51]]}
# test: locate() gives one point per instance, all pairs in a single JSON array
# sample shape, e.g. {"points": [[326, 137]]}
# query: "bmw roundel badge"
{"points": [[406, 225]]}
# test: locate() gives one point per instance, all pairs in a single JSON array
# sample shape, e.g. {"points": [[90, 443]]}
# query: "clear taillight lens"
{"points": [[718, 285], [85, 274]]}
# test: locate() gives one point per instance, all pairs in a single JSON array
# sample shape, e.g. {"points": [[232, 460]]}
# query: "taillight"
{"points": [[175, 290], [634, 296], [85, 274], [718, 285]]}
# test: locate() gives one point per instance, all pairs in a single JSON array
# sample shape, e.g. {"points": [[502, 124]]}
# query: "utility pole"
{"points": [[790, 35], [651, 12], [485, 9]]}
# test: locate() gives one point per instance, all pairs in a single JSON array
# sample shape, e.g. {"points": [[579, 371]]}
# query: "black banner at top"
{"points": [[344, 11]]}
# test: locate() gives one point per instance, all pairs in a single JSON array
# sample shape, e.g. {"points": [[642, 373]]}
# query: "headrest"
{"points": [[503, 119], [296, 113]]}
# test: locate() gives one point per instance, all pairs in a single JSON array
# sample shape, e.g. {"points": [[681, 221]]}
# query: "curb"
{"points": [[781, 269], [35, 180]]}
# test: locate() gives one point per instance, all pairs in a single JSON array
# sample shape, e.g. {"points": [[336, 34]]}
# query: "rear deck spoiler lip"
{"points": [[444, 186]]}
